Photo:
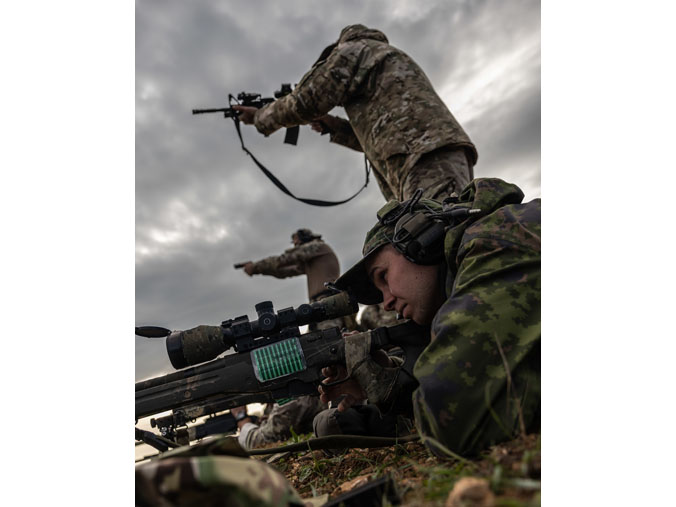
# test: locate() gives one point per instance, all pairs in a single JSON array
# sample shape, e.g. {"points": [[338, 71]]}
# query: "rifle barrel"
{"points": [[227, 111]]}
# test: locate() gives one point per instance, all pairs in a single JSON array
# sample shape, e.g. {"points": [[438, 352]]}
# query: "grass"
{"points": [[512, 470]]}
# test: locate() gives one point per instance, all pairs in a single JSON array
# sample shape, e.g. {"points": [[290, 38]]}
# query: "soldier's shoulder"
{"points": [[316, 245]]}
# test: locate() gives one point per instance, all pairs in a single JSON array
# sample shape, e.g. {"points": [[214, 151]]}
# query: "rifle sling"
{"points": [[282, 187], [337, 442]]}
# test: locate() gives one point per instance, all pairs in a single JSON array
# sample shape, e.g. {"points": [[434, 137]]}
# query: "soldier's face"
{"points": [[409, 289], [295, 240]]}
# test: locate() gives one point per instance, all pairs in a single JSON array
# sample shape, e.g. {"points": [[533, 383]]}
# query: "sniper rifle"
{"points": [[273, 360]]}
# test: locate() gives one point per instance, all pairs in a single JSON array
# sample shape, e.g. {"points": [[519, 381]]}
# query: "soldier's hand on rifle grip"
{"points": [[246, 114], [350, 388], [324, 125]]}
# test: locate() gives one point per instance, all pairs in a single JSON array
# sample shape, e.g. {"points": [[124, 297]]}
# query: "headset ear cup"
{"points": [[430, 244], [419, 238]]}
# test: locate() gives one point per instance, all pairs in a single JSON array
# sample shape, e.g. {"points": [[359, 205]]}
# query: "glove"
{"points": [[376, 380]]}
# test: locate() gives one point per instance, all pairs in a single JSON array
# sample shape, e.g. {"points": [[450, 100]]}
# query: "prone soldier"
{"points": [[470, 269]]}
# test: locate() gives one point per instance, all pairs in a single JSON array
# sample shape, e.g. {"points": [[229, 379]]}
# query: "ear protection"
{"points": [[419, 238], [419, 235]]}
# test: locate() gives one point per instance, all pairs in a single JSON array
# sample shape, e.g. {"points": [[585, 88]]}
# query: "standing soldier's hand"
{"points": [[249, 268], [246, 114], [325, 124]]}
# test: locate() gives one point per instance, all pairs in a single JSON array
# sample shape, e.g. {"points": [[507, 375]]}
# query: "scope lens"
{"points": [[175, 350]]}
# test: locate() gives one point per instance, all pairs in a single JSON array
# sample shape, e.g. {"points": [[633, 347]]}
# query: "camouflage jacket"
{"points": [[211, 481], [296, 416], [484, 358], [392, 106], [315, 259], [375, 316]]}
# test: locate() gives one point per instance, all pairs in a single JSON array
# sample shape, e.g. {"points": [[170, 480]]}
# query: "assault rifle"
{"points": [[273, 361], [254, 100], [291, 137]]}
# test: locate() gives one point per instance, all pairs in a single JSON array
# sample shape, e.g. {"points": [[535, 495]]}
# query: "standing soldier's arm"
{"points": [[279, 266], [324, 87], [339, 130], [290, 263]]}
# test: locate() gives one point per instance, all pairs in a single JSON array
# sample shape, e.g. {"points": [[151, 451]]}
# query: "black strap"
{"points": [[337, 442], [282, 187]]}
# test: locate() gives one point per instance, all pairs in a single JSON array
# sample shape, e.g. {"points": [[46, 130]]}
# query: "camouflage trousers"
{"points": [[212, 481], [438, 173], [297, 413]]}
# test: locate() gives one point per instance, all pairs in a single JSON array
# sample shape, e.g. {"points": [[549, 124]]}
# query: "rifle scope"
{"points": [[204, 343]]}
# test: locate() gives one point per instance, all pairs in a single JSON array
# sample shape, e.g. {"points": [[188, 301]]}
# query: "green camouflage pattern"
{"points": [[483, 362], [297, 414], [492, 310], [395, 116], [315, 259], [212, 481]]}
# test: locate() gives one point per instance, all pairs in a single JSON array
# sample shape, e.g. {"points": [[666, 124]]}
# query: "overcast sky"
{"points": [[201, 203]]}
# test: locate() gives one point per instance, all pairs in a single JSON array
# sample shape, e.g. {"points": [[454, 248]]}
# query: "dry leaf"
{"points": [[471, 492], [350, 485]]}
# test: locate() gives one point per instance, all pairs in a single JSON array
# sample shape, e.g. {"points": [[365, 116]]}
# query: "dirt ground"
{"points": [[505, 475]]}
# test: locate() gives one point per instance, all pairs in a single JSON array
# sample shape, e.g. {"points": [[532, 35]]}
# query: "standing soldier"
{"points": [[312, 257], [309, 256], [395, 117]]}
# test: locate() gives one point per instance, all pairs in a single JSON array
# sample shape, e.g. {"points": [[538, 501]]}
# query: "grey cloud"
{"points": [[193, 181]]}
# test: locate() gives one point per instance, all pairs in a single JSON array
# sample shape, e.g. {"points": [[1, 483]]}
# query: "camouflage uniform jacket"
{"points": [[314, 259], [295, 415], [375, 316], [392, 107], [488, 326], [213, 480]]}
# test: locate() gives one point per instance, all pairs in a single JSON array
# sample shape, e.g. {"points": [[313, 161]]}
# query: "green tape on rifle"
{"points": [[283, 401], [278, 360]]}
